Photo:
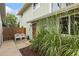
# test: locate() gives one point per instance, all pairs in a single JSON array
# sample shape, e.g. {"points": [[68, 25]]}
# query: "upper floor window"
{"points": [[59, 5], [68, 4], [35, 5]]}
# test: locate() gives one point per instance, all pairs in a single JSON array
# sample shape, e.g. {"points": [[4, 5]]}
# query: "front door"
{"points": [[34, 30]]}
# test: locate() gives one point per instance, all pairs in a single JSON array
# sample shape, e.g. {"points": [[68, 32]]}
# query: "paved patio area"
{"points": [[22, 43], [11, 48]]}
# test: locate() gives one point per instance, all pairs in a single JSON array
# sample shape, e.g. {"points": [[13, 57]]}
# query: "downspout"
{"points": [[1, 32]]}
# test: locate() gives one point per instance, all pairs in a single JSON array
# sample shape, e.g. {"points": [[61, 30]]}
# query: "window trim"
{"points": [[59, 5], [74, 24], [69, 20], [68, 23], [69, 4]]}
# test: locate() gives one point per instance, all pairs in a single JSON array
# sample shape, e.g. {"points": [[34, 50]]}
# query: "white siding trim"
{"points": [[69, 25], [50, 7], [1, 31]]}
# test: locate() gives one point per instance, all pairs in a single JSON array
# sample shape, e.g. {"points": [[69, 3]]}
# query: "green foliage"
{"points": [[53, 44], [37, 41], [11, 20], [18, 25]]}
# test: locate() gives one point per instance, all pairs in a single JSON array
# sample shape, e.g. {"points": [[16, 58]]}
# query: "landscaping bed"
{"points": [[27, 51], [52, 44]]}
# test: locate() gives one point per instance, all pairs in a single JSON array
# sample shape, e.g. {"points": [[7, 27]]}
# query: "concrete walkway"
{"points": [[11, 48], [22, 43]]}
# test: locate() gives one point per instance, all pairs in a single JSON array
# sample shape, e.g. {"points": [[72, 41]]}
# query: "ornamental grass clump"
{"points": [[54, 44], [37, 41]]}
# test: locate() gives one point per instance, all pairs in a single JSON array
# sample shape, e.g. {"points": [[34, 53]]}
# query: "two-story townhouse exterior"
{"points": [[32, 11], [2, 21], [50, 16]]}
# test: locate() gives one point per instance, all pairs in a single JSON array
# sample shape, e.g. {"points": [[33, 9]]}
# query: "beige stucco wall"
{"points": [[31, 14], [27, 15], [43, 9], [1, 30]]}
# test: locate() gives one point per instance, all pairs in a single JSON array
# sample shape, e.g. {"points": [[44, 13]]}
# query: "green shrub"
{"points": [[53, 44], [37, 41]]}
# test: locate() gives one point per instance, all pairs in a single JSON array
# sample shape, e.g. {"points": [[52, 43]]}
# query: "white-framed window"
{"points": [[64, 25], [59, 5], [74, 24], [69, 27], [35, 5], [68, 4], [63, 5]]}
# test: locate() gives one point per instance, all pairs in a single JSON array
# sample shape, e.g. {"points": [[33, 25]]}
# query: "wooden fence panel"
{"points": [[8, 33]]}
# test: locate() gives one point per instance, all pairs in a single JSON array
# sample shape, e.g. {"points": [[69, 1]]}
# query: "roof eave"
{"points": [[24, 8]]}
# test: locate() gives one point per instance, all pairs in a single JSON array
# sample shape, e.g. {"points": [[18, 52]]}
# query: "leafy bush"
{"points": [[11, 20], [53, 44]]}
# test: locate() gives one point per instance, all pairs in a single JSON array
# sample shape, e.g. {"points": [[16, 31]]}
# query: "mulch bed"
{"points": [[28, 52]]}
